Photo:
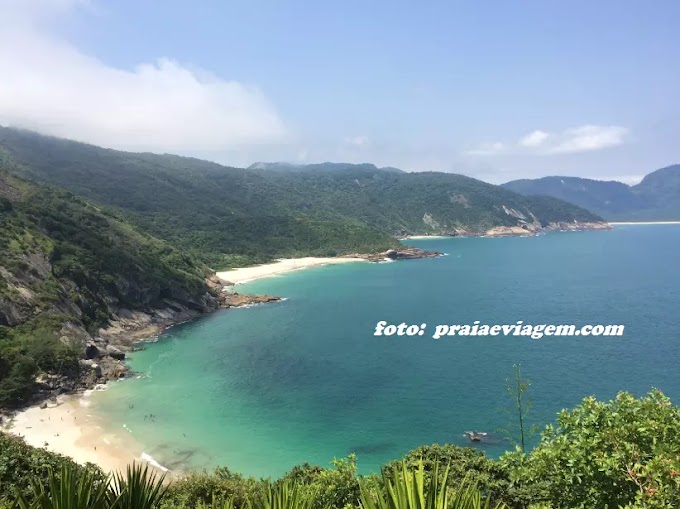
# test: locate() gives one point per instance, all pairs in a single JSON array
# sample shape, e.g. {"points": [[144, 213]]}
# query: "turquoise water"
{"points": [[264, 388]]}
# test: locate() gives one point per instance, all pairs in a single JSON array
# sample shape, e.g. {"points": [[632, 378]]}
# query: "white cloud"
{"points": [[534, 139], [585, 138], [51, 86], [589, 137], [358, 141]]}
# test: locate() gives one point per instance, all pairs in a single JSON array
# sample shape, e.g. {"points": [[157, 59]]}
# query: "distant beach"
{"points": [[642, 222], [421, 237], [247, 274]]}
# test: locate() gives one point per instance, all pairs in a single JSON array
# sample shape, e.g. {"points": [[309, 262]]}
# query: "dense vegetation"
{"points": [[230, 216], [65, 267], [656, 198], [623, 453]]}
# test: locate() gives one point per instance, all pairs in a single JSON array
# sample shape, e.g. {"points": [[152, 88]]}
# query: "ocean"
{"points": [[264, 388]]}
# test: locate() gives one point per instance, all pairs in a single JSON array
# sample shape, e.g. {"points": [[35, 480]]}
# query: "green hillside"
{"points": [[319, 167], [65, 268], [228, 216], [656, 198]]}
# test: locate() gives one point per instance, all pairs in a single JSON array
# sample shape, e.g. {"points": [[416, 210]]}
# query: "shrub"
{"points": [[624, 452]]}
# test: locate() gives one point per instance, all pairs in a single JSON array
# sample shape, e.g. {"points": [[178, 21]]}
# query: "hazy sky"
{"points": [[496, 90]]}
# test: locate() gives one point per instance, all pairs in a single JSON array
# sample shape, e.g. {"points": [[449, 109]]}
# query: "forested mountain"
{"points": [[320, 167], [656, 198], [65, 268], [229, 216]]}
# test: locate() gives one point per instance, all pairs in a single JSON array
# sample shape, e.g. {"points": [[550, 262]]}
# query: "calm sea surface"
{"points": [[264, 388]]}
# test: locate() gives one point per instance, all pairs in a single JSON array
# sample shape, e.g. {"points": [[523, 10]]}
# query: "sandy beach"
{"points": [[69, 428], [246, 274], [421, 237]]}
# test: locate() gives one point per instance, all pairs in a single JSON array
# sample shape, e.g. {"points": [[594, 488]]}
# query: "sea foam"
{"points": [[149, 459]]}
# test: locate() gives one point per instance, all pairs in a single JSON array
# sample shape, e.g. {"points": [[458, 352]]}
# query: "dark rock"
{"points": [[9, 314], [91, 351]]}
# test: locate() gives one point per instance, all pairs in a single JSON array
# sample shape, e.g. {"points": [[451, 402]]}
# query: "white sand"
{"points": [[69, 428], [420, 237], [281, 266], [644, 222]]}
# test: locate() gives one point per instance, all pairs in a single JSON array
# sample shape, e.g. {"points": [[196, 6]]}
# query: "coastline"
{"points": [[69, 428], [627, 223], [281, 266], [523, 230], [422, 237]]}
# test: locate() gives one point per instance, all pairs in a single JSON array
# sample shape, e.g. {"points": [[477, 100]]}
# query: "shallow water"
{"points": [[264, 388]]}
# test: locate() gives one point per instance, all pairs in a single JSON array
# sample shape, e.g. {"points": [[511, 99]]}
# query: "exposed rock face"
{"points": [[578, 226], [115, 352], [508, 231], [10, 315], [128, 327], [525, 226], [233, 299]]}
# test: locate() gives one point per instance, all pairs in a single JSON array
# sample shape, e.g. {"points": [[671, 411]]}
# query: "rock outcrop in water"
{"points": [[407, 253]]}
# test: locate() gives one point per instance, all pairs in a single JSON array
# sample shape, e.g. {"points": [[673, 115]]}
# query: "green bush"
{"points": [[624, 452], [466, 464], [22, 466], [203, 488], [336, 487]]}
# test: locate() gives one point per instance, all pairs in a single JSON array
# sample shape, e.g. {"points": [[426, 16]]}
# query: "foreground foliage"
{"points": [[409, 489], [623, 454]]}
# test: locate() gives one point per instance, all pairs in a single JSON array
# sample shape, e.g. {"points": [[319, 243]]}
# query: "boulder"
{"points": [[91, 351], [97, 370], [89, 363], [391, 254], [115, 352]]}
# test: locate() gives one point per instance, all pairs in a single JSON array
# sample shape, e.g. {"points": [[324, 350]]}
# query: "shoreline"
{"points": [[422, 237], [282, 266], [69, 428], [627, 223]]}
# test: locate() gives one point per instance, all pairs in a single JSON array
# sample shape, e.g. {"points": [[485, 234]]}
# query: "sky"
{"points": [[495, 90]]}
